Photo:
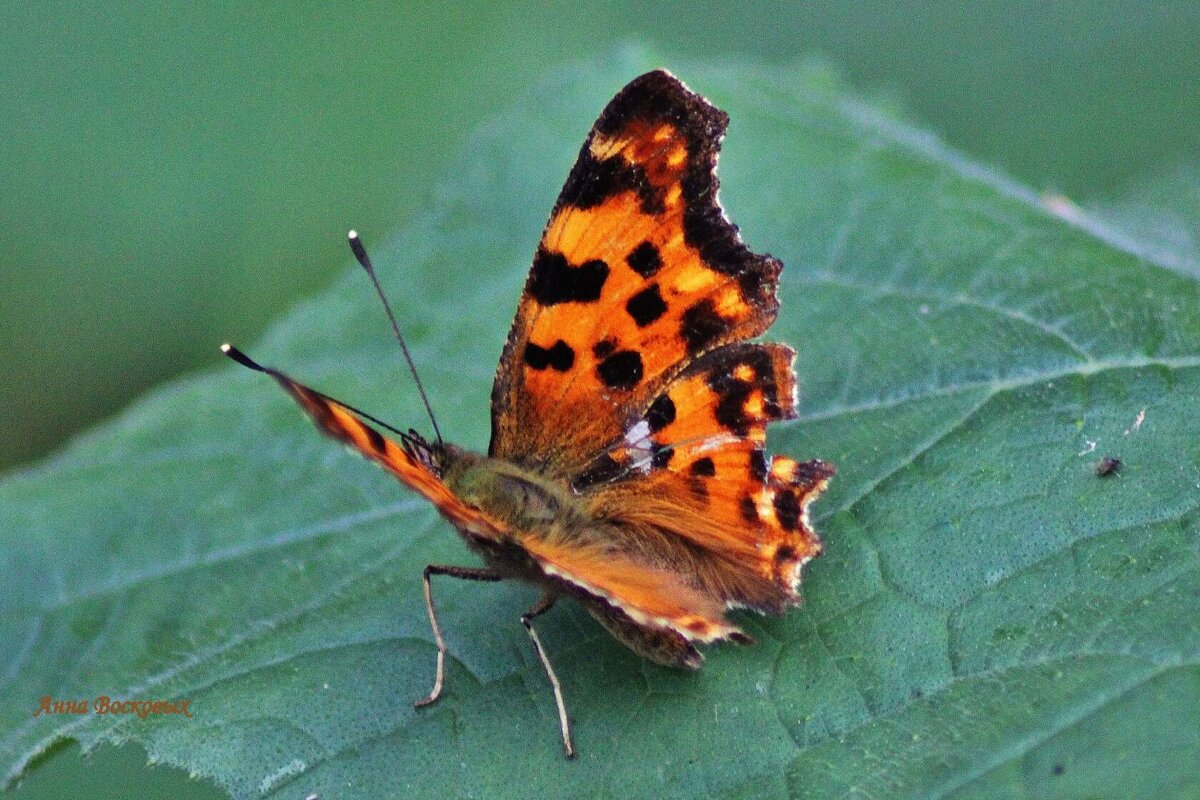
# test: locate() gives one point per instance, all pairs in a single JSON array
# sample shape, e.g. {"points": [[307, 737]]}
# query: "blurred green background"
{"points": [[175, 175]]}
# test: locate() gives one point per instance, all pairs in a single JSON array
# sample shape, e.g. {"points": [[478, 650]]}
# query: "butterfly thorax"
{"points": [[519, 499]]}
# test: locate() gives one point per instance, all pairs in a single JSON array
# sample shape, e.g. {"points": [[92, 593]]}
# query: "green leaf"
{"points": [[991, 618], [1161, 213]]}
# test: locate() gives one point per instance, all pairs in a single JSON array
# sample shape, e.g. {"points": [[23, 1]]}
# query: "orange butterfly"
{"points": [[626, 468]]}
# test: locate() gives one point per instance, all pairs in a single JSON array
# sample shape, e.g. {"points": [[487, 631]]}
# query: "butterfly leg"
{"points": [[539, 608], [463, 573]]}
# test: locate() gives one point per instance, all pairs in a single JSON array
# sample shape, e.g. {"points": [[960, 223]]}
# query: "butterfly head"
{"points": [[436, 456]]}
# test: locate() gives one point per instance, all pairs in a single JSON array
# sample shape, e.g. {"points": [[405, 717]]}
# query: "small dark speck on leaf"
{"points": [[1108, 466], [1058, 769]]}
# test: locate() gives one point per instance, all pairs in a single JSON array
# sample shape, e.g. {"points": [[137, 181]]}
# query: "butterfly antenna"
{"points": [[360, 253]]}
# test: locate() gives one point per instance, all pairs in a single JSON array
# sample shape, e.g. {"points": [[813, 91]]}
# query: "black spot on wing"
{"points": [[646, 306], [604, 348], [731, 409], [660, 414], [787, 508], [758, 464], [807, 474], [554, 280], [723, 375], [785, 553], [749, 510], [593, 180], [644, 260], [702, 326], [662, 457], [759, 283], [560, 357], [703, 467], [757, 375], [376, 440], [621, 370], [602, 470]]}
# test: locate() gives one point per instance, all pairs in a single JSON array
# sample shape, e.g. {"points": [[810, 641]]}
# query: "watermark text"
{"points": [[107, 705]]}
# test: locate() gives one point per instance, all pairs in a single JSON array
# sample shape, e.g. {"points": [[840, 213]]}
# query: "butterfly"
{"points": [[626, 468]]}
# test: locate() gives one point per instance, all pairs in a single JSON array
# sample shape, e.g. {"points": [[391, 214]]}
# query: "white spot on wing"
{"points": [[641, 446], [638, 433], [714, 443]]}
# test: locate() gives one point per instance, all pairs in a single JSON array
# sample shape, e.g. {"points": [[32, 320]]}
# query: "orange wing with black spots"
{"points": [[691, 470], [638, 272]]}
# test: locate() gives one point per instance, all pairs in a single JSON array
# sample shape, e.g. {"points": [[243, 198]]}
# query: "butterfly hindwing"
{"points": [[616, 584], [637, 273], [691, 472]]}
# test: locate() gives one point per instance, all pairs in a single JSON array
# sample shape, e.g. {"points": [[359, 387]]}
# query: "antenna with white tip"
{"points": [[360, 253]]}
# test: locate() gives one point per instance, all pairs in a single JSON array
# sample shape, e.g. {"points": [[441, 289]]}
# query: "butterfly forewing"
{"points": [[336, 420], [637, 273]]}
